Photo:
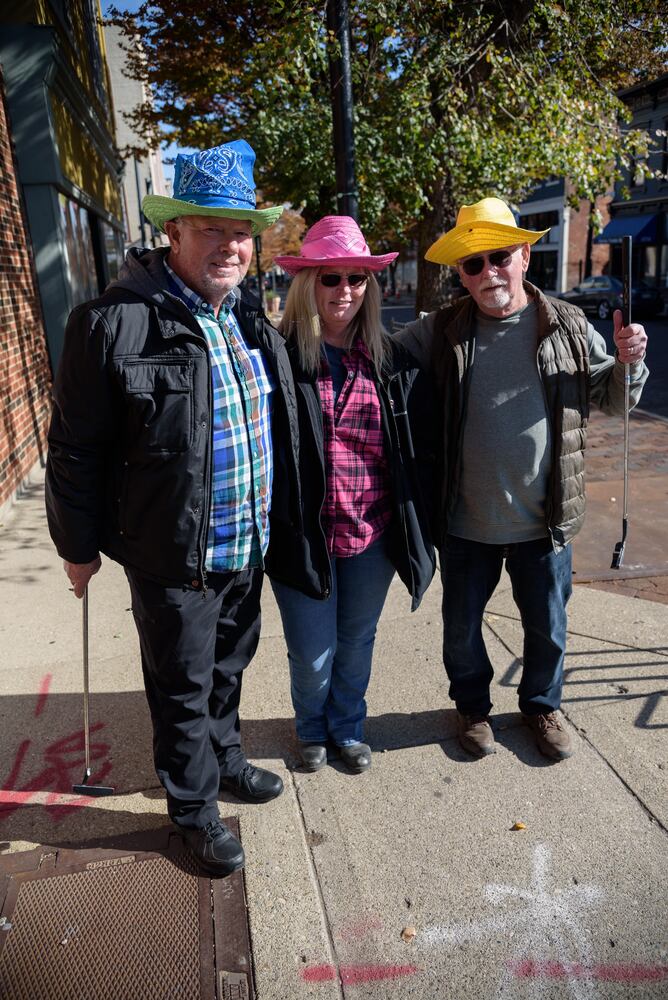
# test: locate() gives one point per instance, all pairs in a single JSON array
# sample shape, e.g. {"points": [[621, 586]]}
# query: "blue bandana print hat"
{"points": [[216, 182]]}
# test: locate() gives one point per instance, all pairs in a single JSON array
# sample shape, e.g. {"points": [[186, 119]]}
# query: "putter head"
{"points": [[96, 790], [618, 555]]}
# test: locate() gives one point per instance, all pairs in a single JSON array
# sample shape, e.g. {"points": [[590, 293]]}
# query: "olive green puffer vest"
{"points": [[562, 356]]}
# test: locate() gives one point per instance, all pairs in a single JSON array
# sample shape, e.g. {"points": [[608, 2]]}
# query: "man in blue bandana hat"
{"points": [[172, 400]]}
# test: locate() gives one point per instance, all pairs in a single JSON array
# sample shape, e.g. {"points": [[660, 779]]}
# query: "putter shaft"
{"points": [[618, 554], [84, 788]]}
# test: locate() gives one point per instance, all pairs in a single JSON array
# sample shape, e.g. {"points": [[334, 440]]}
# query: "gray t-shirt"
{"points": [[506, 445]]}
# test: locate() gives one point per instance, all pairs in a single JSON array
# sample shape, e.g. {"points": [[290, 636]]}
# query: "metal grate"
{"points": [[126, 923]]}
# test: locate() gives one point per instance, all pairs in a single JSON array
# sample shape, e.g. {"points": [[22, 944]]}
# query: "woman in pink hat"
{"points": [[361, 514]]}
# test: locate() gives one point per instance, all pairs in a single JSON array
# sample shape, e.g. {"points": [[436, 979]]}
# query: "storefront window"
{"points": [[648, 260], [542, 220], [112, 246], [78, 250], [543, 269]]}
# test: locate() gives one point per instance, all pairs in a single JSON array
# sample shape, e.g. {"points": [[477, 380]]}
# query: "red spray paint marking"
{"points": [[618, 972], [64, 762], [43, 694], [352, 974]]}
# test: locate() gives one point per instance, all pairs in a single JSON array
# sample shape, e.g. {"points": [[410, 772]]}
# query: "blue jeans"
{"points": [[330, 646], [541, 581]]}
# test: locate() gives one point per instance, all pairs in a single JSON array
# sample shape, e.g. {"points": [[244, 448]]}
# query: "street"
{"points": [[655, 393]]}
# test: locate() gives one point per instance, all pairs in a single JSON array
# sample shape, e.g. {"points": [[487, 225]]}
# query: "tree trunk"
{"points": [[434, 283]]}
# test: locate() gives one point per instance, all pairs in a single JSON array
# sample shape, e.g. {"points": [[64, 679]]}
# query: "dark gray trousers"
{"points": [[194, 649]]}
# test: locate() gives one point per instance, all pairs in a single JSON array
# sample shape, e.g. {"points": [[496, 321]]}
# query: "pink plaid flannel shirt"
{"points": [[358, 502]]}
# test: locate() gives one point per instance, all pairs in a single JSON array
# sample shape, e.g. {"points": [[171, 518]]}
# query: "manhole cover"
{"points": [[129, 921]]}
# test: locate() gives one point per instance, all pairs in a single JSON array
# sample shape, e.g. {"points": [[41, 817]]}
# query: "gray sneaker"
{"points": [[475, 734], [551, 738], [313, 755], [356, 757]]}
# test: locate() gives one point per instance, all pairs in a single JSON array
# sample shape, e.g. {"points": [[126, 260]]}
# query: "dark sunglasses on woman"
{"points": [[332, 280], [498, 258]]}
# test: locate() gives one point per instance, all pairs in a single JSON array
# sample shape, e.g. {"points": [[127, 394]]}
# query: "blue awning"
{"points": [[641, 227]]}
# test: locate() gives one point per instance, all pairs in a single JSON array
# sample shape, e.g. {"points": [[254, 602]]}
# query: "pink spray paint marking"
{"points": [[616, 972], [352, 975], [357, 930], [43, 694]]}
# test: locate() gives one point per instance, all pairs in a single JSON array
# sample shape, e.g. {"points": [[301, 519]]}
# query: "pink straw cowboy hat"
{"points": [[335, 240], [487, 225]]}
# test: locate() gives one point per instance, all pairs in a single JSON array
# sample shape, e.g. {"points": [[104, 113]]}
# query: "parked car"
{"points": [[601, 294]]}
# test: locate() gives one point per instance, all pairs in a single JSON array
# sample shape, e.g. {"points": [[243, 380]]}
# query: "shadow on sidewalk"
{"points": [[607, 676], [43, 756]]}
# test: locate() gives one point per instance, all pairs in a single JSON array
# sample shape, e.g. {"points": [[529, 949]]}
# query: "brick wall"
{"points": [[25, 373], [577, 242]]}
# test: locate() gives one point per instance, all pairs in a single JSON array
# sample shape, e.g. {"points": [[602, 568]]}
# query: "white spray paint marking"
{"points": [[546, 922]]}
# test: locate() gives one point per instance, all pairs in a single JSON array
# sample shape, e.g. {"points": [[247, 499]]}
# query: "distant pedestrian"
{"points": [[362, 513], [172, 397], [515, 373]]}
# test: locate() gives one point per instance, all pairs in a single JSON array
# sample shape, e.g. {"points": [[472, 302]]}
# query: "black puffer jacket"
{"points": [[297, 553], [129, 467]]}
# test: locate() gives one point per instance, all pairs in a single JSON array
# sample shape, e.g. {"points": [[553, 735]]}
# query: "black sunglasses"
{"points": [[332, 280], [499, 258]]}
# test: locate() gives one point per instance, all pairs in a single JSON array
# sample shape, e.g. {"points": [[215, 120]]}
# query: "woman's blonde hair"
{"points": [[301, 322]]}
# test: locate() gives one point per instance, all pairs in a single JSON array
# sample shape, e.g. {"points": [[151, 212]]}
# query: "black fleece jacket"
{"points": [[129, 466], [298, 553]]}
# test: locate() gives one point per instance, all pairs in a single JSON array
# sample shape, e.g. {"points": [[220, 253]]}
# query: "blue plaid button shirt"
{"points": [[242, 453]]}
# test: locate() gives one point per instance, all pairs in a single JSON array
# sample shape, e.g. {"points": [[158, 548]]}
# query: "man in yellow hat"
{"points": [[515, 372], [172, 393]]}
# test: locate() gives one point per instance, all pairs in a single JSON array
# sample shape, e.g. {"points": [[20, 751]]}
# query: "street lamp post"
{"points": [[260, 279], [342, 109]]}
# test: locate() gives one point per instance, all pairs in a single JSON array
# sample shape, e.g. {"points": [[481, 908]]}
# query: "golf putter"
{"points": [[618, 554], [84, 788]]}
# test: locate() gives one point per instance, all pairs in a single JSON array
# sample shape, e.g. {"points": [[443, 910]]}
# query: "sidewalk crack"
{"points": [[308, 846]]}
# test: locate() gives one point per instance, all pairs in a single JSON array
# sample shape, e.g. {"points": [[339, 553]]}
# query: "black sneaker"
{"points": [[253, 784], [217, 850]]}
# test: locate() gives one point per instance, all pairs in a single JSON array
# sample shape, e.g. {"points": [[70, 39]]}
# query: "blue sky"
{"points": [[123, 5], [170, 151]]}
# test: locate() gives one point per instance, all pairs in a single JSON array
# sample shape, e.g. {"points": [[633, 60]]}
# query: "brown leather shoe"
{"points": [[475, 734], [551, 738]]}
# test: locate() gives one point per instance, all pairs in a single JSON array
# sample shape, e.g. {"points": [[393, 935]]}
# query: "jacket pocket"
{"points": [[159, 397]]}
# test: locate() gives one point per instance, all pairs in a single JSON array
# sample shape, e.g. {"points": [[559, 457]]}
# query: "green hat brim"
{"points": [[159, 210]]}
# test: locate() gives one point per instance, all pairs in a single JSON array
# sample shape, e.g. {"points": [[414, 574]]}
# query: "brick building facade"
{"points": [[586, 257], [25, 373]]}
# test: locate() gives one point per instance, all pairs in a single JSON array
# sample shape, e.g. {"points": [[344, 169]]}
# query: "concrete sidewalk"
{"points": [[571, 906]]}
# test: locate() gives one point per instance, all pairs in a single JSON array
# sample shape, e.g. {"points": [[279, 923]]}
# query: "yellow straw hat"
{"points": [[487, 225]]}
